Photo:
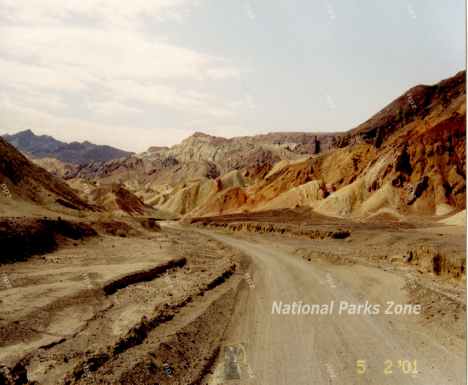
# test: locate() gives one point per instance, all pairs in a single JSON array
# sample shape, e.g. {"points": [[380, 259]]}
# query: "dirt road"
{"points": [[267, 349]]}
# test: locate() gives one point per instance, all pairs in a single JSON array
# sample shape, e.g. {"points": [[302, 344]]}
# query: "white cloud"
{"points": [[22, 75], [21, 117], [110, 12], [170, 97], [247, 102], [90, 54], [249, 11], [112, 109], [28, 97], [47, 51]]}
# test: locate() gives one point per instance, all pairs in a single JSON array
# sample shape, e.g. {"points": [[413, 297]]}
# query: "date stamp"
{"points": [[390, 367]]}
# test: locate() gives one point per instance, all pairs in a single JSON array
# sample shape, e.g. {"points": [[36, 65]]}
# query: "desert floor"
{"points": [[193, 305]]}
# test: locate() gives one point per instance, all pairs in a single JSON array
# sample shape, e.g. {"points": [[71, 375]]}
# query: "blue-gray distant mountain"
{"points": [[44, 146]]}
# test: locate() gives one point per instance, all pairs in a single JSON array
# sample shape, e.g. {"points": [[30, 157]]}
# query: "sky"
{"points": [[141, 73]]}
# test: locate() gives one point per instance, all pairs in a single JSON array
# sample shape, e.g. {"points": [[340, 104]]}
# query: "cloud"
{"points": [[249, 11], [28, 97], [22, 75], [98, 51], [169, 97], [108, 54], [22, 117], [112, 109], [105, 12]]}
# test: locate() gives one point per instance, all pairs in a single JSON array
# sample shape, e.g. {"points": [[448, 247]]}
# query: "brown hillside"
{"points": [[23, 181], [116, 198], [409, 158]]}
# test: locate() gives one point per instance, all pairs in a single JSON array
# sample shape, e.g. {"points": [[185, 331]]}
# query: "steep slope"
{"points": [[420, 168], [22, 181], [117, 199], [160, 171], [239, 153], [184, 198], [458, 219], [215, 155], [44, 146], [54, 166], [416, 104], [407, 159]]}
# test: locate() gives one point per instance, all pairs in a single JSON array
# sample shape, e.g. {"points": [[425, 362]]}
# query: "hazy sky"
{"points": [[136, 73]]}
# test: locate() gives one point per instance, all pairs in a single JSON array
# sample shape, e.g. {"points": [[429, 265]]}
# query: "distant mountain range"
{"points": [[44, 146]]}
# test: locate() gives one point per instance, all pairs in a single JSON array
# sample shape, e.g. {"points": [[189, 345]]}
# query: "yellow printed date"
{"points": [[390, 367]]}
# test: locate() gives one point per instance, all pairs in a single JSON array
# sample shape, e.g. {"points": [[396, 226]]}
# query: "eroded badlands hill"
{"points": [[409, 158], [24, 184]]}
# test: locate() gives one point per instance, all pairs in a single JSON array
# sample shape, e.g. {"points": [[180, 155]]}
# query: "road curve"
{"points": [[329, 349]]}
